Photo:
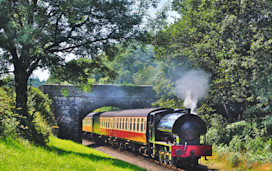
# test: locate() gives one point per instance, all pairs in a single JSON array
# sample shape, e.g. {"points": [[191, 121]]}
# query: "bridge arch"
{"points": [[75, 105]]}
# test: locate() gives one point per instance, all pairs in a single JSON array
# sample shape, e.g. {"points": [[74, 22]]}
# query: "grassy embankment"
{"points": [[58, 155], [223, 162]]}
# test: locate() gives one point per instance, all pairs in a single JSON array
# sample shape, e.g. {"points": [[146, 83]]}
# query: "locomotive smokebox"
{"points": [[188, 111]]}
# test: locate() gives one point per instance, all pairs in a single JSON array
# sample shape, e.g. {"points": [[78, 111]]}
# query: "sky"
{"points": [[43, 74]]}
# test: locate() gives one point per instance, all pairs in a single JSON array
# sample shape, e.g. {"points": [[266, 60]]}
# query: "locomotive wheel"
{"points": [[166, 159], [161, 157], [172, 162]]}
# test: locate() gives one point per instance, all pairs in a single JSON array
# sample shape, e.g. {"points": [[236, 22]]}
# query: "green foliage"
{"points": [[169, 103], [65, 92], [39, 106], [232, 41], [40, 103], [234, 159], [242, 141], [7, 81], [8, 121], [106, 109], [133, 65], [80, 72]]}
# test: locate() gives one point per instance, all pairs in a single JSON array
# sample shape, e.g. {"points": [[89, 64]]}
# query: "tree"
{"points": [[134, 65], [232, 41], [36, 33]]}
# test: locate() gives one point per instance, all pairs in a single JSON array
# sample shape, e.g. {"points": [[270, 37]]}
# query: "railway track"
{"points": [[138, 159]]}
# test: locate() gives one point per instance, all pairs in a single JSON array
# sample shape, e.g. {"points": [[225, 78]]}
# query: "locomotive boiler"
{"points": [[168, 135]]}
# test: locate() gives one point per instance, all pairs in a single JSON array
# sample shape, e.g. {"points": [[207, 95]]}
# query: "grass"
{"points": [[58, 155]]}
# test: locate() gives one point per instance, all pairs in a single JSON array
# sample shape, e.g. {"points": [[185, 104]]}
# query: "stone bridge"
{"points": [[71, 105]]}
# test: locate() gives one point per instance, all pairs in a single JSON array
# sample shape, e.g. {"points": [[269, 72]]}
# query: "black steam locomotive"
{"points": [[171, 136]]}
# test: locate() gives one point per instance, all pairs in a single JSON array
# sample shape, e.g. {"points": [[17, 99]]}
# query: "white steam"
{"points": [[192, 87]]}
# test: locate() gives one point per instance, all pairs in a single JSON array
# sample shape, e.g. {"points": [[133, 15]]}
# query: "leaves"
{"points": [[229, 39]]}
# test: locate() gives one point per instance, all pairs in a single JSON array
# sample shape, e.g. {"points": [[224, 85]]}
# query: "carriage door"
{"points": [[151, 126]]}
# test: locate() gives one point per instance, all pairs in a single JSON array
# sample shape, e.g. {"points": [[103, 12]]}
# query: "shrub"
{"points": [[39, 102], [237, 144], [39, 109], [8, 121], [234, 159]]}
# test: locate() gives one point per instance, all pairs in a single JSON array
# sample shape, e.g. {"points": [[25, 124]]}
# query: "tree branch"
{"points": [[78, 45], [33, 66]]}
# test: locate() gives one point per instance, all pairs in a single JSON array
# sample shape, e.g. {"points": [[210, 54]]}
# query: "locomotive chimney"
{"points": [[188, 111]]}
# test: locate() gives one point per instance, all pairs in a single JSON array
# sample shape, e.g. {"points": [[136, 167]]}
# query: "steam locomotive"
{"points": [[168, 135]]}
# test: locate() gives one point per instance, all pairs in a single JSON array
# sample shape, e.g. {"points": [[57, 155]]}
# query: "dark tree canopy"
{"points": [[35, 33]]}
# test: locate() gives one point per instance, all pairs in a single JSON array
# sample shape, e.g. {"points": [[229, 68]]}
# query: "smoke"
{"points": [[192, 87]]}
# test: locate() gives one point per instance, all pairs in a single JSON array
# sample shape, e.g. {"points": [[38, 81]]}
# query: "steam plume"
{"points": [[192, 87]]}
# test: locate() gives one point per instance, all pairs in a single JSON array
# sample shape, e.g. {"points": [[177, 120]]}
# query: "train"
{"points": [[171, 136]]}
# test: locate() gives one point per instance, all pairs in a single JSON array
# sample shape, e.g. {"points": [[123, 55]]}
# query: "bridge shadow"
{"points": [[94, 158]]}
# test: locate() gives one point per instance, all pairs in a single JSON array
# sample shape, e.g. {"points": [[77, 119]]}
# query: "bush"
{"points": [[237, 144], [39, 109], [43, 117], [234, 159], [246, 142], [40, 103], [8, 121]]}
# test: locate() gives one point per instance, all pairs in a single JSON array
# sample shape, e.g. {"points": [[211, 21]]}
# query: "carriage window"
{"points": [[131, 124], [114, 123], [134, 124], [145, 125], [142, 125], [123, 123], [120, 124], [126, 121], [138, 122]]}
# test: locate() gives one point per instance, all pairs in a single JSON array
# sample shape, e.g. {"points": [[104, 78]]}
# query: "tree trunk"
{"points": [[21, 92], [25, 119], [27, 126]]}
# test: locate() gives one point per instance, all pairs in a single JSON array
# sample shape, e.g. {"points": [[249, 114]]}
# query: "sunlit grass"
{"points": [[58, 155], [222, 162]]}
